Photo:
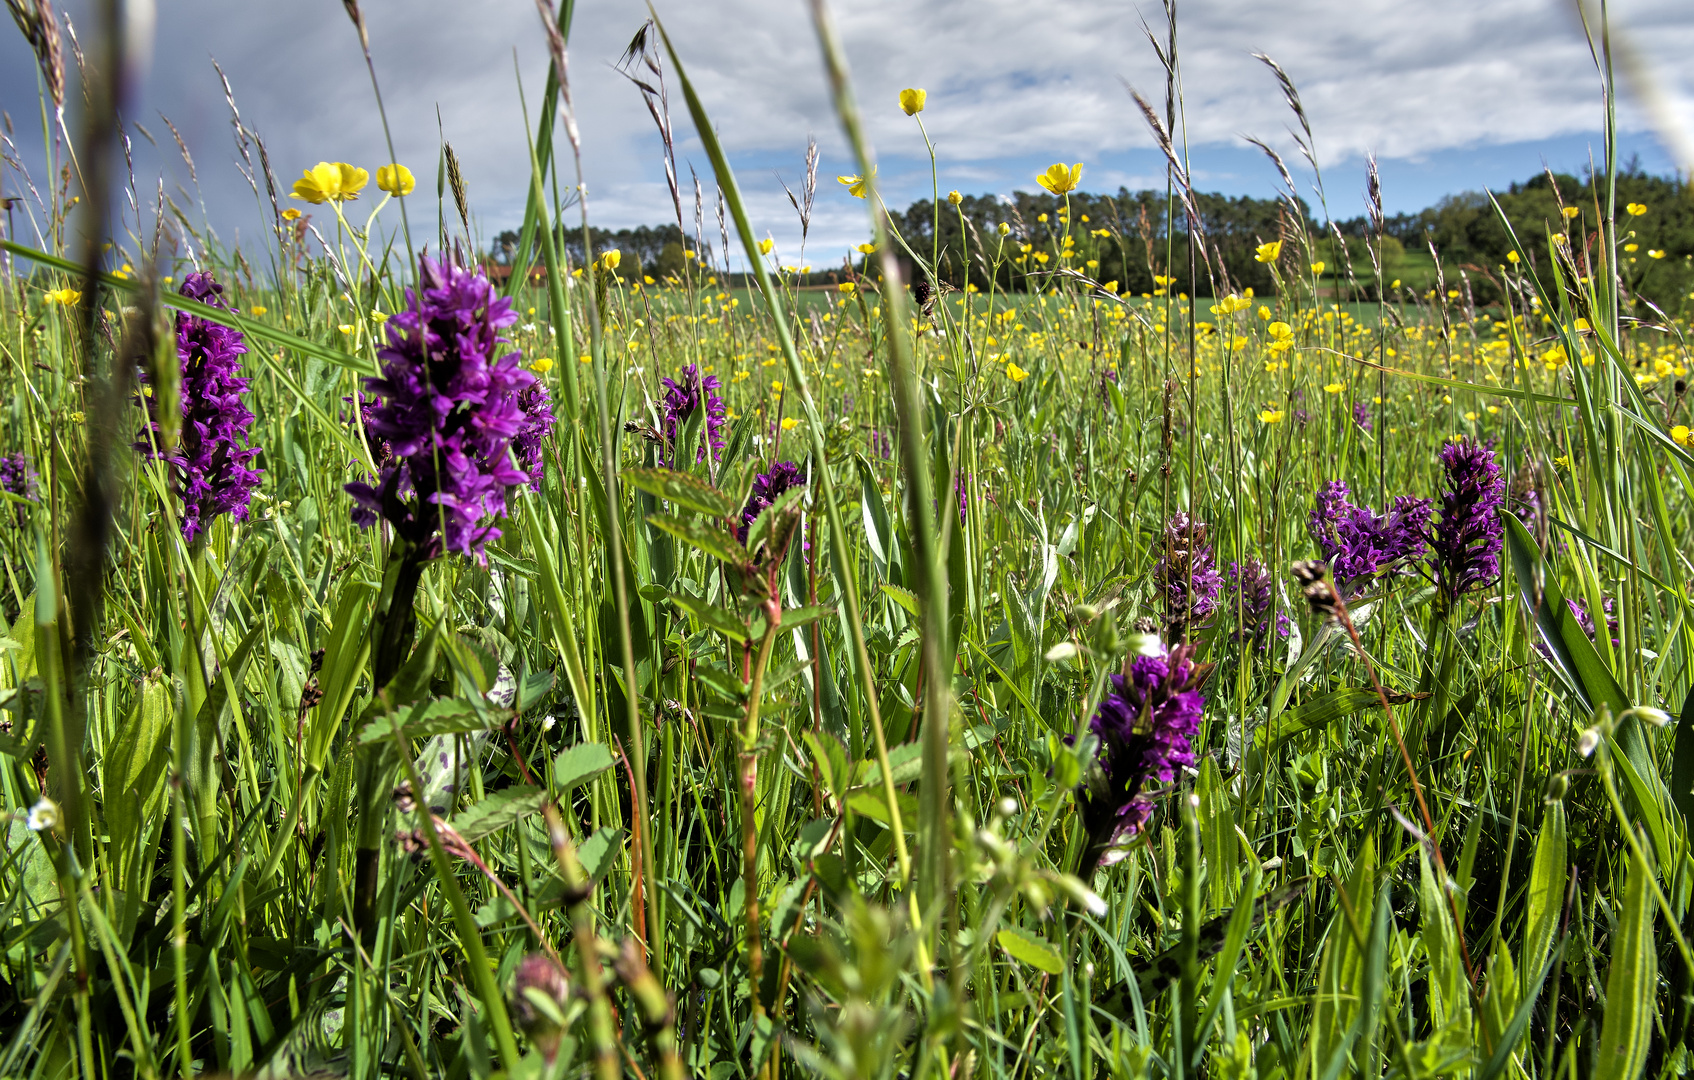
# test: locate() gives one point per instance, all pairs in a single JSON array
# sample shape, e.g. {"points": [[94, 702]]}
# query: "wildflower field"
{"points": [[950, 664]]}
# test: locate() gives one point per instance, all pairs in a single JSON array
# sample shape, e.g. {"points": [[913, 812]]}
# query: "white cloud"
{"points": [[1011, 84]]}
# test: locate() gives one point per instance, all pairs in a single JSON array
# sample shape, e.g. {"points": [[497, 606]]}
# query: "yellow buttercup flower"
{"points": [[1681, 435], [857, 185], [848, 287], [1317, 268], [1571, 211], [1015, 373], [1512, 257], [395, 179], [1655, 253], [1635, 209], [1280, 330], [1060, 178], [67, 297], [1268, 253], [765, 246], [541, 365], [1270, 416], [789, 423], [955, 198], [1335, 388], [867, 249], [911, 101], [290, 214], [257, 309], [331, 182]]}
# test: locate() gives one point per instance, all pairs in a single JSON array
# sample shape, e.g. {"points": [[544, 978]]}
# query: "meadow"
{"points": [[598, 673]]}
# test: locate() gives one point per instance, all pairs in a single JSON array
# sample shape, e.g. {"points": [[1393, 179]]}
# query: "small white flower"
{"points": [[1146, 645], [1588, 741], [1008, 806], [548, 722], [44, 815], [1656, 717]]}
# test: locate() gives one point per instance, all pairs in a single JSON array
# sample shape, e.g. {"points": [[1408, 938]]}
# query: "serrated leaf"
{"points": [[775, 522], [871, 803], [499, 810], [712, 616], [600, 851], [443, 716], [906, 598], [712, 538], [796, 618], [682, 489], [1324, 710], [576, 765], [533, 688], [1026, 948], [722, 681]]}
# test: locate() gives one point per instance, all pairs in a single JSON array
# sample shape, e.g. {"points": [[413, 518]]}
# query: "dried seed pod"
{"points": [[1313, 576]]}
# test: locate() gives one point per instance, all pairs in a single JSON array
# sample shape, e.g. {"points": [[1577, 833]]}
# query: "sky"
{"points": [[1450, 95]]}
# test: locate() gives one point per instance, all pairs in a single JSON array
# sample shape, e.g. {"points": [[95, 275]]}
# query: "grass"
{"points": [[812, 803]]}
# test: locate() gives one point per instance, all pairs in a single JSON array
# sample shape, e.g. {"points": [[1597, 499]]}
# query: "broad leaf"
{"points": [[712, 538], [576, 765], [683, 490], [499, 810]]}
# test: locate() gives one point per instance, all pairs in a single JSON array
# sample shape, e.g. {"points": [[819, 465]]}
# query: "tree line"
{"points": [[1142, 241]]}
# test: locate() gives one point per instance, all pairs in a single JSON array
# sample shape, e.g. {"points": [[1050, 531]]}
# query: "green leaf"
{"points": [[830, 759], [1546, 888], [712, 616], [776, 522], [443, 716], [412, 681], [682, 489], [1342, 966], [796, 618], [1026, 948], [1631, 983], [878, 531], [498, 811], [905, 598], [712, 538], [600, 851], [723, 682], [576, 765], [1514, 1031], [532, 688]]}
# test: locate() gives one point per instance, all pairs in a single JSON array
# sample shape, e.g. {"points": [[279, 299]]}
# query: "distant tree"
{"points": [[505, 247], [670, 260], [1466, 231]]}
